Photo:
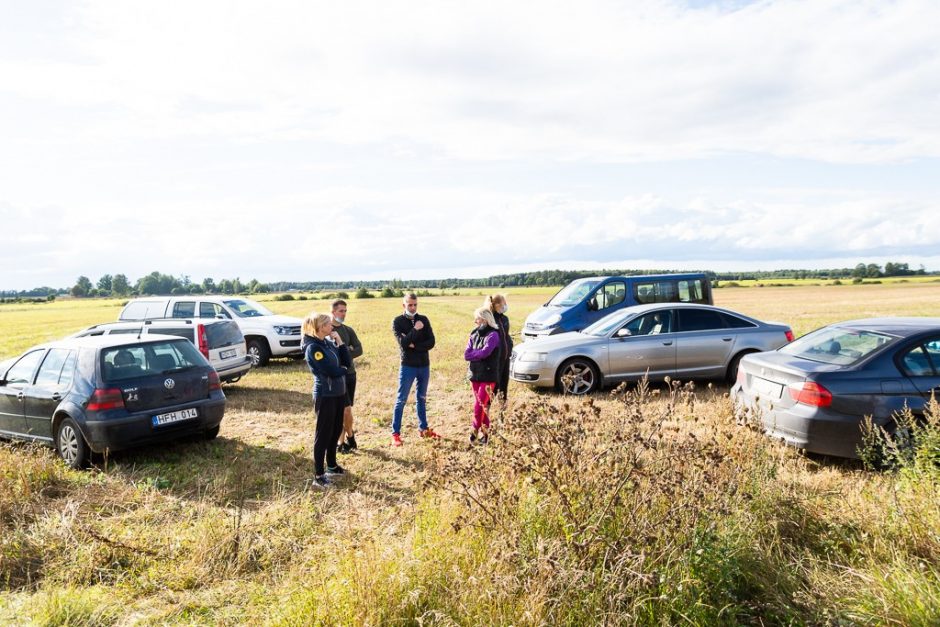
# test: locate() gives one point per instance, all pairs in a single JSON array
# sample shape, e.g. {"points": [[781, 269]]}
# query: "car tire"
{"points": [[577, 377], [211, 434], [732, 375], [259, 352], [71, 446]]}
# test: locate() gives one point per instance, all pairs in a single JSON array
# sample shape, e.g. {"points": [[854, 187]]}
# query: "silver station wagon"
{"points": [[678, 340]]}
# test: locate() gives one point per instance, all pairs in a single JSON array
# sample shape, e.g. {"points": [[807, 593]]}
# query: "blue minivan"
{"points": [[585, 301]]}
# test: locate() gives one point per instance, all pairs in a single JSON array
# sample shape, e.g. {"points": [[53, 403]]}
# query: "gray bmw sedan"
{"points": [[678, 340], [814, 393]]}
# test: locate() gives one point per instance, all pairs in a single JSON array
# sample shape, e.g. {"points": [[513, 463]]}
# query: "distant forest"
{"points": [[164, 284]]}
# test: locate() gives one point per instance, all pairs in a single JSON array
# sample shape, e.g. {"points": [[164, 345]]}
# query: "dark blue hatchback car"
{"points": [[105, 393]]}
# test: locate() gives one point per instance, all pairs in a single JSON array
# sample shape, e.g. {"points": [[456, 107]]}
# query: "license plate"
{"points": [[228, 353], [766, 389], [174, 416]]}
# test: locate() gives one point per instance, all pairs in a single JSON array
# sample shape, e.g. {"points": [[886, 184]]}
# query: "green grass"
{"points": [[714, 524]]}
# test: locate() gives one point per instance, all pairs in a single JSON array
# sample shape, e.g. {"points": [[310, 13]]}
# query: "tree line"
{"points": [[157, 283]]}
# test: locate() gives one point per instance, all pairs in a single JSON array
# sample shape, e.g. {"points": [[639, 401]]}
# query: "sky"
{"points": [[354, 140]]}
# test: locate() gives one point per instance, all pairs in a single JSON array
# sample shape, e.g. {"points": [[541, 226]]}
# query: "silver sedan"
{"points": [[678, 340]]}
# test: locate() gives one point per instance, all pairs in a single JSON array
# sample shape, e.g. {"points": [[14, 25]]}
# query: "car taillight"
{"points": [[214, 383], [110, 398], [789, 335], [810, 393], [203, 340]]}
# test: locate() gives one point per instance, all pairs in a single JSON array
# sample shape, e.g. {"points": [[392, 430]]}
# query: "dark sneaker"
{"points": [[320, 481], [335, 470], [343, 448], [351, 442], [485, 438], [473, 438]]}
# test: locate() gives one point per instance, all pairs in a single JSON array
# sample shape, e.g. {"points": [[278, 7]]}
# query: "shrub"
{"points": [[284, 297], [364, 293]]}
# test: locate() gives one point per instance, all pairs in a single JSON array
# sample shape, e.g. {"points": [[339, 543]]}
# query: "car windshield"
{"points": [[606, 325], [247, 308], [573, 293], [119, 363], [834, 345]]}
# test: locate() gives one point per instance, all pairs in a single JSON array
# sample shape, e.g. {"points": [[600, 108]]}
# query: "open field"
{"points": [[642, 507]]}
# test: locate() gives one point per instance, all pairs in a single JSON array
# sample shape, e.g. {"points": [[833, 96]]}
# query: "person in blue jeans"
{"points": [[415, 339]]}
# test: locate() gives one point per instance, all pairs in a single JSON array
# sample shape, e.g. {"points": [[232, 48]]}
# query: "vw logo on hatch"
{"points": [[169, 384]]}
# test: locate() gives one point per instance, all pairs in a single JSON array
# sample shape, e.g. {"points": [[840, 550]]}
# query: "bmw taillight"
{"points": [[810, 393], [789, 335], [203, 340], [109, 398], [214, 383]]}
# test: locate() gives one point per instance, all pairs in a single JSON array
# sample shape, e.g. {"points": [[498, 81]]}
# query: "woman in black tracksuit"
{"points": [[328, 359]]}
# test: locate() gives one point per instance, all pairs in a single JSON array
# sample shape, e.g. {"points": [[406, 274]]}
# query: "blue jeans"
{"points": [[406, 376]]}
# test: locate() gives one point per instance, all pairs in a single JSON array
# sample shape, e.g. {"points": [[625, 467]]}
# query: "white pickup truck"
{"points": [[266, 334]]}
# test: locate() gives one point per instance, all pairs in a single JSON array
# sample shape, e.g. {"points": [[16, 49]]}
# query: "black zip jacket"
{"points": [[405, 334], [328, 364]]}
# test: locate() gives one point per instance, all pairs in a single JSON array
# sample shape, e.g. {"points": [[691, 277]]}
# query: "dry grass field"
{"points": [[636, 506]]}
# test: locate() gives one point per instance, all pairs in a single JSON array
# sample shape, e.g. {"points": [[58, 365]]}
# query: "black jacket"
{"points": [[413, 344], [328, 365], [505, 344]]}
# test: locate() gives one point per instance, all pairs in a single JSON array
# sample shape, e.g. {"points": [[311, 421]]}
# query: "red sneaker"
{"points": [[429, 433], [396, 439]]}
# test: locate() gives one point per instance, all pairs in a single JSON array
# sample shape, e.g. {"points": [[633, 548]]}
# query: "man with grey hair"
{"points": [[415, 339]]}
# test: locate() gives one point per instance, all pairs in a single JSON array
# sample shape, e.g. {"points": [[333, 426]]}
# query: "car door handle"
{"points": [[56, 396], [20, 396], [669, 343], [726, 339]]}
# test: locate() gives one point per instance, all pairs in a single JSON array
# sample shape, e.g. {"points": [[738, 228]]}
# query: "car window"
{"points": [[127, 362], [734, 322], [609, 296], [917, 363], [221, 334], [655, 292], [68, 370], [700, 320], [691, 291], [184, 309], [573, 293], [835, 345], [51, 369], [211, 310], [22, 371], [133, 331], [247, 308], [653, 323], [143, 310]]}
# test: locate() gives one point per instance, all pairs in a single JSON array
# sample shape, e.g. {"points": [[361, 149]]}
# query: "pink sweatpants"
{"points": [[482, 395]]}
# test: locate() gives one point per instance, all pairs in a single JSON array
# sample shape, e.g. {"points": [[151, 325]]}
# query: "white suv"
{"points": [[266, 334], [220, 341]]}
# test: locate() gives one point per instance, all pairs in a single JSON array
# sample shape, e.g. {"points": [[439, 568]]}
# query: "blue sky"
{"points": [[357, 140]]}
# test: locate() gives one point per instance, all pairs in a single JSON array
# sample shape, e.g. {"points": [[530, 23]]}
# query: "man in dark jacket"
{"points": [[415, 338], [347, 438]]}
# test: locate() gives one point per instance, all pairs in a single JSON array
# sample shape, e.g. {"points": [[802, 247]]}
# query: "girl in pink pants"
{"points": [[483, 353]]}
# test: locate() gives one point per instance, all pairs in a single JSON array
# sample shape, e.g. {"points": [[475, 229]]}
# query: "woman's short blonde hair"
{"points": [[486, 315], [314, 321]]}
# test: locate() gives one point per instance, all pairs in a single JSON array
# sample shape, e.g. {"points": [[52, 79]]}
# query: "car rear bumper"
{"points": [[813, 429], [235, 371], [113, 434]]}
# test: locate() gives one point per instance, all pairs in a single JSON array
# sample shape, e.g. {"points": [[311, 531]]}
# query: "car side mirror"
{"points": [[592, 305], [623, 332]]}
